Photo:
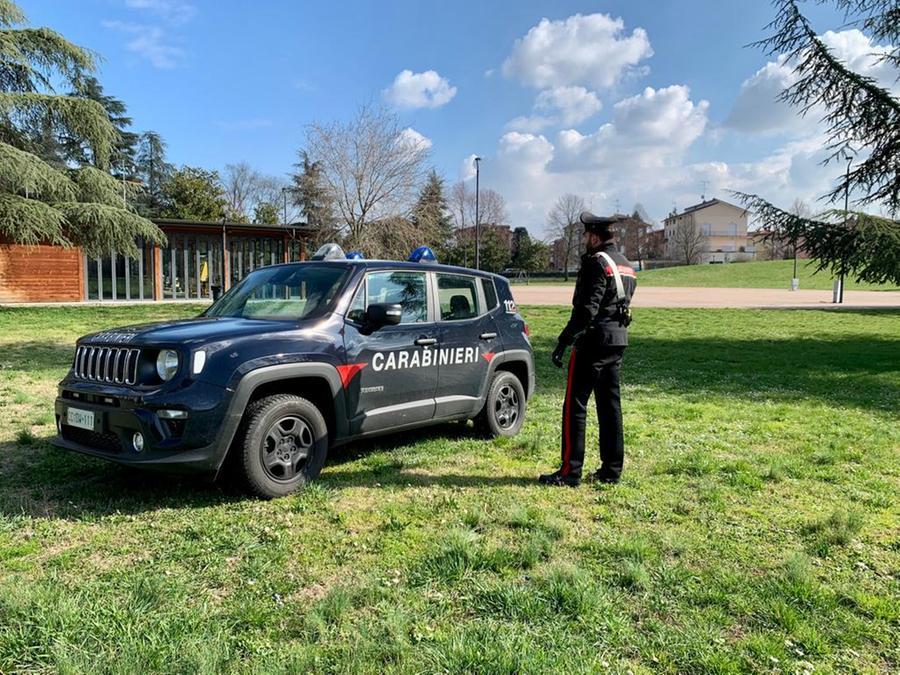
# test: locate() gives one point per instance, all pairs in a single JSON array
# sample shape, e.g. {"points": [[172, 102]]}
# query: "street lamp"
{"points": [[477, 214], [846, 153]]}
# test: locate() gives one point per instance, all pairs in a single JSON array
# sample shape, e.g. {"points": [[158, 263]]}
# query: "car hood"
{"points": [[194, 331]]}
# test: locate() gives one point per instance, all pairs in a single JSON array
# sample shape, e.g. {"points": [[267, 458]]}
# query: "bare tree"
{"points": [[247, 190], [372, 165], [460, 196], [491, 206], [565, 227], [687, 241]]}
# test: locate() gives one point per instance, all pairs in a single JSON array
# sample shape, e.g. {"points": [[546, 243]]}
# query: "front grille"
{"points": [[116, 365], [92, 439]]}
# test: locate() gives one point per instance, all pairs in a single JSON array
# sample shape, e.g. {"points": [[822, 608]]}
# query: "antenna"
{"points": [[705, 184], [617, 206]]}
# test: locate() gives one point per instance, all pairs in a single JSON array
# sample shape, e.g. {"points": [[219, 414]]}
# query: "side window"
{"points": [[458, 297], [358, 307], [405, 288], [490, 293]]}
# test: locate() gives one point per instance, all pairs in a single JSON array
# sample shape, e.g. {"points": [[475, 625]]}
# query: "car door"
{"points": [[390, 373], [468, 340]]}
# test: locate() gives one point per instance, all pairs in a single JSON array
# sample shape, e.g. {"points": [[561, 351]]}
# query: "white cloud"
{"points": [[648, 130], [566, 106], [588, 49], [419, 90], [758, 110], [414, 140], [176, 11], [637, 156], [467, 168], [150, 43]]}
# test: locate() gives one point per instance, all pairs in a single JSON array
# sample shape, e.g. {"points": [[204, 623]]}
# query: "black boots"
{"points": [[557, 478]]}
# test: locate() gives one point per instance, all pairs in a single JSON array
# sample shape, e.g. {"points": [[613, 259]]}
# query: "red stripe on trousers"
{"points": [[567, 406]]}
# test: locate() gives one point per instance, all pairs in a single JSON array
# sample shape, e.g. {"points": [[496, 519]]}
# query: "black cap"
{"points": [[601, 225]]}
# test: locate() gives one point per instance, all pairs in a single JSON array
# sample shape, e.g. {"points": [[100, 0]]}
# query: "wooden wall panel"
{"points": [[40, 273]]}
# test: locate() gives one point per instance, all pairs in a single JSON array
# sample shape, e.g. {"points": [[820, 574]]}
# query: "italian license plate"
{"points": [[83, 419]]}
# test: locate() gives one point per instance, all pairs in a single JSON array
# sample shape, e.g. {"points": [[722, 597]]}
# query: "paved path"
{"points": [[769, 298]]}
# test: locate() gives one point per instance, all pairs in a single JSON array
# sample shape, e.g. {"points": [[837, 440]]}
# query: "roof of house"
{"points": [[301, 227], [706, 204]]}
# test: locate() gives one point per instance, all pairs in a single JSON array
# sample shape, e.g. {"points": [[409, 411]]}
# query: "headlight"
{"points": [[167, 364]]}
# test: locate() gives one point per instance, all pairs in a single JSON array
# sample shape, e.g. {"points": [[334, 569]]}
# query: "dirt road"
{"points": [[769, 298]]}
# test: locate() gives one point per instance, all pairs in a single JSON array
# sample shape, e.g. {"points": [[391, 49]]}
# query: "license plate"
{"points": [[83, 419]]}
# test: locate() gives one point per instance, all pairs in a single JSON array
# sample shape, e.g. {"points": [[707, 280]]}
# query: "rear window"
{"points": [[490, 293]]}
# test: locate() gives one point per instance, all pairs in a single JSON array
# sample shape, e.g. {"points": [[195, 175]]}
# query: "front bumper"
{"points": [[190, 445]]}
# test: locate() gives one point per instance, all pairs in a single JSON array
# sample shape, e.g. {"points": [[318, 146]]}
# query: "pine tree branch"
{"points": [[100, 229], [843, 242], [860, 113], [30, 222], [24, 174], [99, 187], [82, 117]]}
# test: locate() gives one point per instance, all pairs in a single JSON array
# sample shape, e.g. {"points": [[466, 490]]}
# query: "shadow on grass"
{"points": [[42, 481]]}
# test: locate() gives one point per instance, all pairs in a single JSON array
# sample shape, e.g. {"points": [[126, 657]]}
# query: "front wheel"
{"points": [[285, 444], [504, 409]]}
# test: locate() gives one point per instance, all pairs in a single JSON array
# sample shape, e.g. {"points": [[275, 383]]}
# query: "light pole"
{"points": [[848, 153], [477, 214]]}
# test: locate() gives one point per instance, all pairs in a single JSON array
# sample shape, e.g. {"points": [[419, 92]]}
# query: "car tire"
{"points": [[284, 445], [504, 408]]}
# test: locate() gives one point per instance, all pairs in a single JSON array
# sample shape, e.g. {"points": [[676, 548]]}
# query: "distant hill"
{"points": [[762, 274]]}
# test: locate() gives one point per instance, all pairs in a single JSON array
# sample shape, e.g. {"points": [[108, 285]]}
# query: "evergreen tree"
{"points": [[193, 193], [430, 214], [528, 254], [494, 251], [40, 202], [314, 198], [154, 172], [265, 213], [860, 117], [124, 152]]}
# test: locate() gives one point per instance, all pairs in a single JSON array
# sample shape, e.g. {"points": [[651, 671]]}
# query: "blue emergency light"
{"points": [[355, 255], [423, 254]]}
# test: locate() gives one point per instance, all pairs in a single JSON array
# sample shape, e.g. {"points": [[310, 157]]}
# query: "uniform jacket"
{"points": [[594, 301]]}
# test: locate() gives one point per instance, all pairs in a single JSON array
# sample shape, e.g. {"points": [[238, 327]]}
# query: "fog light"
{"points": [[138, 441], [172, 414]]}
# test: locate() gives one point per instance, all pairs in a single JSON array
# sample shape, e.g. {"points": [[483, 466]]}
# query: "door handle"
{"points": [[487, 336], [425, 341]]}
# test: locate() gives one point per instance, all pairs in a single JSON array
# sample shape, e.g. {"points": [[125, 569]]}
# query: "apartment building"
{"points": [[723, 228]]}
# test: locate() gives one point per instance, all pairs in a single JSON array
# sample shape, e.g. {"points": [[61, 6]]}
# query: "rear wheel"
{"points": [[285, 444], [504, 409]]}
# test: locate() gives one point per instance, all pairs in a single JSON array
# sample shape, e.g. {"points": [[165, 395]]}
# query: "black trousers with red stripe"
{"points": [[593, 369]]}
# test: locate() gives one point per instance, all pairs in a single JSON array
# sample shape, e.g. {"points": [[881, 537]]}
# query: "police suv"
{"points": [[298, 358]]}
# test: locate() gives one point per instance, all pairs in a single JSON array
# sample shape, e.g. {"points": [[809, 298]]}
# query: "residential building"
{"points": [[723, 227]]}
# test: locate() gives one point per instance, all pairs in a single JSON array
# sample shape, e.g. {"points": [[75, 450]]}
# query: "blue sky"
{"points": [[229, 81]]}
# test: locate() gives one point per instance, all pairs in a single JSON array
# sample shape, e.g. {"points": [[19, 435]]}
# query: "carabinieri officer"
{"points": [[598, 328]]}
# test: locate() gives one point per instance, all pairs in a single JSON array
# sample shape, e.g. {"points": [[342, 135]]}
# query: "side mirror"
{"points": [[383, 314]]}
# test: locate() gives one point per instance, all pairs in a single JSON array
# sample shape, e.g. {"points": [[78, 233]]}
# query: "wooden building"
{"points": [[199, 260]]}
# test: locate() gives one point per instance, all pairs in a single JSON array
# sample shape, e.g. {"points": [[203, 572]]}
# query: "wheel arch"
{"points": [[319, 383]]}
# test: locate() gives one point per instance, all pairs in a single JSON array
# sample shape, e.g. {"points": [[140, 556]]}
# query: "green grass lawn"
{"points": [[757, 528], [762, 274]]}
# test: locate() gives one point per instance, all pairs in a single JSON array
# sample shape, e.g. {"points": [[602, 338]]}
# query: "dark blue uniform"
{"points": [[598, 334]]}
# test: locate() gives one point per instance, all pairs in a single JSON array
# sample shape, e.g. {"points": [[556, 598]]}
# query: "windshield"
{"points": [[282, 293]]}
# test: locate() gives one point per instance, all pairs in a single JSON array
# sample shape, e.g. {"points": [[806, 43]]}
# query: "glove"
{"points": [[557, 356]]}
